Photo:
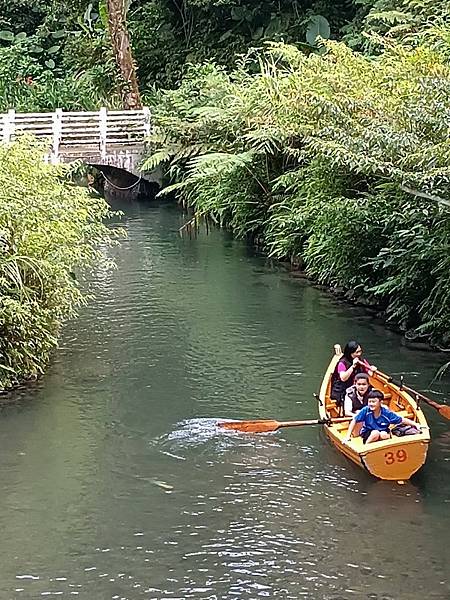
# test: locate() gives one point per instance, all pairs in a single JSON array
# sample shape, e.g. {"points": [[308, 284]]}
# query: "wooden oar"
{"points": [[443, 409], [266, 425]]}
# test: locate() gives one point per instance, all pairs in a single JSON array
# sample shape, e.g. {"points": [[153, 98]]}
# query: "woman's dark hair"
{"points": [[376, 394], [350, 347]]}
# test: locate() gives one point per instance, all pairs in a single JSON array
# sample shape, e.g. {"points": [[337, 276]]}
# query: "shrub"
{"points": [[336, 161]]}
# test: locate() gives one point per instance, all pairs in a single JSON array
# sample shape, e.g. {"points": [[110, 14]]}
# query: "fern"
{"points": [[391, 17], [337, 162]]}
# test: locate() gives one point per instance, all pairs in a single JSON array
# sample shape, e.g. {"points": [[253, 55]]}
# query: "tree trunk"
{"points": [[122, 53]]}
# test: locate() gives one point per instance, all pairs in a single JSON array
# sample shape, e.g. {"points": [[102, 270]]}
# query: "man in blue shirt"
{"points": [[376, 419]]}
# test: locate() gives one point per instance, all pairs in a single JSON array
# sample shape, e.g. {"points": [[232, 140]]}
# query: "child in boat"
{"points": [[376, 419], [350, 364], [356, 395]]}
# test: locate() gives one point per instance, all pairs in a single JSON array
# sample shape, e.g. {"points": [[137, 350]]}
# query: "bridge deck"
{"points": [[115, 137]]}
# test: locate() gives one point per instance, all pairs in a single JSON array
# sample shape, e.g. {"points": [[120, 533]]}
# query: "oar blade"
{"points": [[445, 411], [261, 426]]}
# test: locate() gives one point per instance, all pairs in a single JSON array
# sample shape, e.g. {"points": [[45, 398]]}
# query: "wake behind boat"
{"points": [[396, 458]]}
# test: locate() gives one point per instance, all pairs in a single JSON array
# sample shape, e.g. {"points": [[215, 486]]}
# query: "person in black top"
{"points": [[348, 366], [356, 395]]}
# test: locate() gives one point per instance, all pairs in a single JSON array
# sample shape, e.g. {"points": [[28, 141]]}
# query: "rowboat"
{"points": [[396, 458]]}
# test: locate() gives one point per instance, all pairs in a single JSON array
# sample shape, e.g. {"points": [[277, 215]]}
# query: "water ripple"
{"points": [[118, 484]]}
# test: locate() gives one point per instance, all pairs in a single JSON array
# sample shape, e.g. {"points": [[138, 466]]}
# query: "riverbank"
{"points": [[373, 308], [324, 161]]}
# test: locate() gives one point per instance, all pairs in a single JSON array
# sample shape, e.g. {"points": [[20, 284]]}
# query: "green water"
{"points": [[117, 484]]}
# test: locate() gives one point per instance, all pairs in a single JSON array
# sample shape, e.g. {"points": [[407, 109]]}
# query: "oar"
{"points": [[442, 409], [266, 425]]}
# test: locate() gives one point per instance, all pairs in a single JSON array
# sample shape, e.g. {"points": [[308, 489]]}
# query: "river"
{"points": [[116, 483]]}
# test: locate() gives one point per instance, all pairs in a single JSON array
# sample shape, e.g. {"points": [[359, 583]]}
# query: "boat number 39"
{"points": [[392, 457]]}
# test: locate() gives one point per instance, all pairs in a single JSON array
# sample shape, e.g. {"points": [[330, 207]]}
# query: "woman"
{"points": [[346, 369]]}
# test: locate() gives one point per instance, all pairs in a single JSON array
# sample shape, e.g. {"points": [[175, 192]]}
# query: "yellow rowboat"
{"points": [[397, 458]]}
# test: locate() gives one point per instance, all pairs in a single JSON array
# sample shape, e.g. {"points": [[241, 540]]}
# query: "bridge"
{"points": [[112, 140]]}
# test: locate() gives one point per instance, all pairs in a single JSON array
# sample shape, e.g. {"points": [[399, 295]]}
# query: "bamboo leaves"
{"points": [[48, 231]]}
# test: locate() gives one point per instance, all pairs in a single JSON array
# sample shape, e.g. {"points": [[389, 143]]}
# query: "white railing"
{"points": [[103, 132]]}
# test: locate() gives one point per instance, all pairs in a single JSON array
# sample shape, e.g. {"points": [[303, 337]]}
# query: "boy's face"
{"points": [[362, 385], [373, 403]]}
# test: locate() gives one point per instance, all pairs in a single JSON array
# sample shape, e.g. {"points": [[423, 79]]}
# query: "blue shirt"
{"points": [[381, 423]]}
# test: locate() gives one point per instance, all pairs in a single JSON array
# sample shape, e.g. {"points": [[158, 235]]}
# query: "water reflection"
{"points": [[117, 483]]}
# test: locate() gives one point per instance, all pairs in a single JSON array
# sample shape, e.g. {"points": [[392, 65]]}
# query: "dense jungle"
{"points": [[317, 130]]}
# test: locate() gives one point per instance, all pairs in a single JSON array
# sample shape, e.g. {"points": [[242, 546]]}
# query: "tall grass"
{"points": [[49, 231]]}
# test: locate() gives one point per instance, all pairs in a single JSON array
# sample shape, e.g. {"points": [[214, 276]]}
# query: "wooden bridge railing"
{"points": [[101, 133]]}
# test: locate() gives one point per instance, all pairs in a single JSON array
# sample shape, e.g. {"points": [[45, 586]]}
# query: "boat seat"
{"points": [[406, 414]]}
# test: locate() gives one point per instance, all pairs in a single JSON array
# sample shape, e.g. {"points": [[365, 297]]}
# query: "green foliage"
{"points": [[48, 231], [30, 83], [338, 162], [70, 39], [64, 61], [22, 15], [409, 20], [169, 36], [318, 27]]}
